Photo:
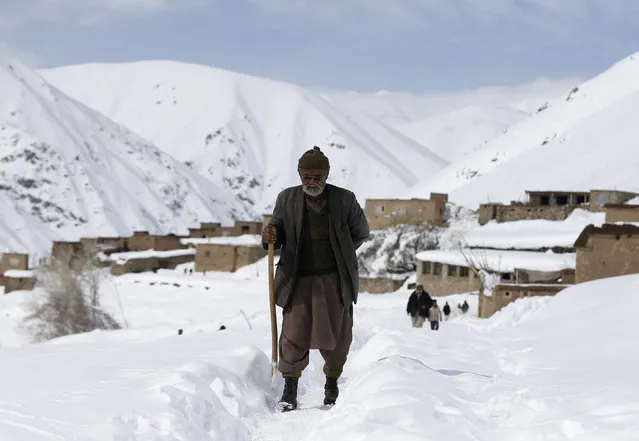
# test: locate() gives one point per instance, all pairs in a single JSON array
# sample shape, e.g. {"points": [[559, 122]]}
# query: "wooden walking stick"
{"points": [[271, 292]]}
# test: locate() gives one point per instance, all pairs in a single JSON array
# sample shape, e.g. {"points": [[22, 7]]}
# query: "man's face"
{"points": [[313, 180]]}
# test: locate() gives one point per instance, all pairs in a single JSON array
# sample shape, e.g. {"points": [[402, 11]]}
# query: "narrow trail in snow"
{"points": [[295, 425]]}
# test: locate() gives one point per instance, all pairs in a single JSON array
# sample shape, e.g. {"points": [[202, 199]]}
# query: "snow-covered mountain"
{"points": [[66, 170], [246, 133], [586, 139]]}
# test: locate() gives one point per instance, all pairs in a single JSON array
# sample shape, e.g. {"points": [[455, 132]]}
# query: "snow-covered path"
{"points": [[560, 369]]}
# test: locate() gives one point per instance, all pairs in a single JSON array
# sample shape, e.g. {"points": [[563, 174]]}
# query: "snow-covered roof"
{"points": [[245, 240], [132, 255], [533, 234], [501, 261], [19, 274]]}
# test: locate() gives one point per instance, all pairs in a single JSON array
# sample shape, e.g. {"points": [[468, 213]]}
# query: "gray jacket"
{"points": [[348, 229]]}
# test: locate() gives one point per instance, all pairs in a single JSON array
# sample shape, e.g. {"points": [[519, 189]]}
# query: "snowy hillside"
{"points": [[585, 140], [246, 133], [66, 170], [541, 369]]}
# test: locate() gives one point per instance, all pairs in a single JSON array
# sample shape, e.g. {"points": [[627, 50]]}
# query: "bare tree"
{"points": [[478, 263], [72, 303]]}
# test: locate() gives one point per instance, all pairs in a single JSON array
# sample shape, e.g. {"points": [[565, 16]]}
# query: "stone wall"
{"points": [[504, 294], [510, 213], [379, 285]]}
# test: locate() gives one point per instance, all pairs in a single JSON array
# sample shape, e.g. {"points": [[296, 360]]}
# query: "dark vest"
{"points": [[316, 252]]}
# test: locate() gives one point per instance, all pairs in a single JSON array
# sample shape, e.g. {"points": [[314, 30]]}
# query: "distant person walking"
{"points": [[434, 316], [417, 307], [446, 311]]}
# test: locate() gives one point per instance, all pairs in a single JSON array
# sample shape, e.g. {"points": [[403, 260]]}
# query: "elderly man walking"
{"points": [[318, 227]]}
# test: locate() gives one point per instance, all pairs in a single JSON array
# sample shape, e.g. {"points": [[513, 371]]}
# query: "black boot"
{"points": [[331, 391], [289, 395]]}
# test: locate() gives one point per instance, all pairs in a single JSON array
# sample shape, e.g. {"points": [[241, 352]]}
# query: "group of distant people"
{"points": [[421, 307]]}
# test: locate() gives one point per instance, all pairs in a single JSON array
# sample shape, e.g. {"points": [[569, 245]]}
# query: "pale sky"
{"points": [[364, 45]]}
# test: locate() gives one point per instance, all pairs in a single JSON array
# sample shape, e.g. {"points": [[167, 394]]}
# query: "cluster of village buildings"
{"points": [[607, 250]]}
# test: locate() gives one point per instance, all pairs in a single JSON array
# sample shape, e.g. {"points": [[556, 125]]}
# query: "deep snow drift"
{"points": [[543, 368]]}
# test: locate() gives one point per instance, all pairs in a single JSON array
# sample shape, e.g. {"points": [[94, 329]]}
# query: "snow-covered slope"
{"points": [[66, 170], [585, 140], [246, 133], [560, 368]]}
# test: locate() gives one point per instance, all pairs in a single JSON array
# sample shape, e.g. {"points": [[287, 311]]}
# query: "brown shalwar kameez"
{"points": [[316, 317]]}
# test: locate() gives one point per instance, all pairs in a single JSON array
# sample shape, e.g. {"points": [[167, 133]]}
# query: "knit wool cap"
{"points": [[313, 159]]}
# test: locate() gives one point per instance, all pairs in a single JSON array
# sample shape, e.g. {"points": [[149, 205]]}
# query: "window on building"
{"points": [[505, 276], [561, 200], [437, 268], [525, 293], [463, 271], [426, 268], [245, 229], [544, 200], [452, 270], [401, 210], [507, 293], [207, 254], [13, 261], [379, 208], [581, 199]]}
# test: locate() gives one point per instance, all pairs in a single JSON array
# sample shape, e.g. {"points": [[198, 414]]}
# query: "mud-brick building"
{"points": [[216, 229], [551, 205], [227, 254], [607, 251], [622, 213], [447, 272], [142, 240], [19, 280], [206, 229], [505, 293], [13, 262], [385, 213]]}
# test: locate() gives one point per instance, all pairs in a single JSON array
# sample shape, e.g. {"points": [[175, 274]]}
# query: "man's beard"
{"points": [[313, 190]]}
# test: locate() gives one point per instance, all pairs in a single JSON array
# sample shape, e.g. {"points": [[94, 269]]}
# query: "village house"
{"points": [[18, 280], [228, 253], [215, 229], [206, 229], [385, 213], [622, 213], [13, 261], [447, 272], [607, 251], [142, 240], [551, 205]]}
